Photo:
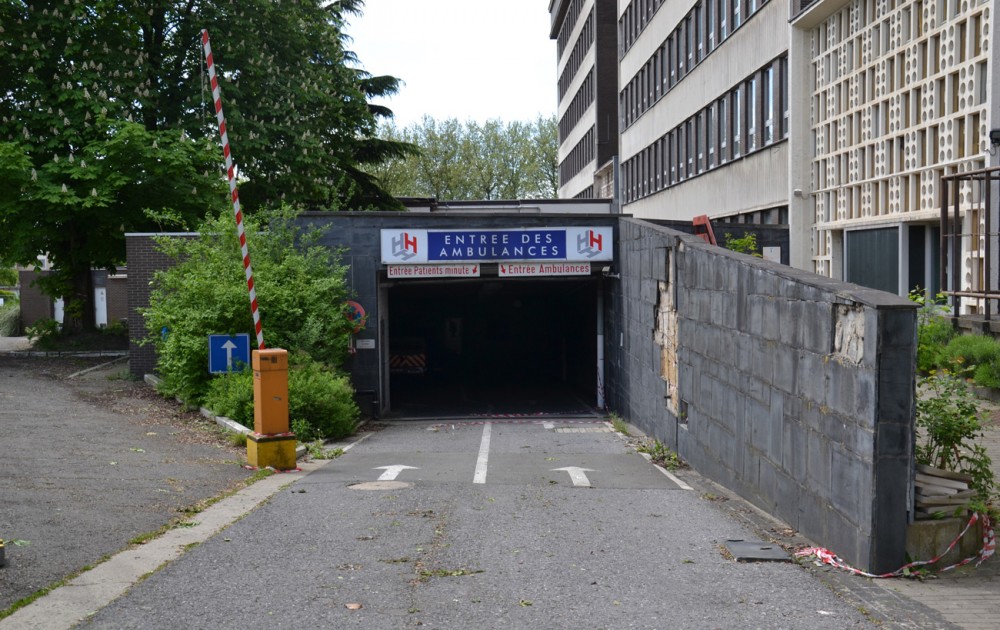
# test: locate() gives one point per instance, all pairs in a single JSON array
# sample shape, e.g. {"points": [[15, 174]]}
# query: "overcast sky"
{"points": [[465, 59]]}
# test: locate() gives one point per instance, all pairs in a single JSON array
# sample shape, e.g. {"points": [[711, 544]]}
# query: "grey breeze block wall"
{"points": [[794, 390]]}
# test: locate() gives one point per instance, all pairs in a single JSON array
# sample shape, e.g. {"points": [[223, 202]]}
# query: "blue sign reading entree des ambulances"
{"points": [[574, 244], [227, 353]]}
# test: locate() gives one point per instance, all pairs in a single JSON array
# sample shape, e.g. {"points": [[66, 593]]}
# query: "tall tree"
{"points": [[491, 160], [107, 124]]}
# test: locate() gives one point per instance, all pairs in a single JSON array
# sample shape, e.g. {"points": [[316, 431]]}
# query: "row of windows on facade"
{"points": [[701, 31], [581, 102], [569, 21], [582, 154], [749, 117], [580, 49], [637, 15]]}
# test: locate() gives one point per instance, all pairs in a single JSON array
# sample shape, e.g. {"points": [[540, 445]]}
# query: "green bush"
{"points": [[933, 335], [949, 417], [977, 356], [43, 334], [10, 320], [323, 399], [933, 331], [745, 245], [8, 276], [299, 286], [320, 402], [231, 395]]}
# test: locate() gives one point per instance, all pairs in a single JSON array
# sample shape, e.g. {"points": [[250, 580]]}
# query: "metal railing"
{"points": [[979, 243]]}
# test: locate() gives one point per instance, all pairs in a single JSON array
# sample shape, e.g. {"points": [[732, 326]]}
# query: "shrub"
{"points": [[977, 356], [231, 395], [323, 399], [933, 331], [949, 417], [320, 403], [43, 334], [299, 286], [744, 245], [10, 320]]}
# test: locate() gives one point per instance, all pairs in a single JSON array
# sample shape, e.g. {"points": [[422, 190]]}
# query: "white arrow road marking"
{"points": [[229, 347], [391, 472], [484, 455], [577, 475]]}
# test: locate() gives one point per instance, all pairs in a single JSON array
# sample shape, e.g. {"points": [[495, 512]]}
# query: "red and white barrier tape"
{"points": [[234, 193], [825, 556]]}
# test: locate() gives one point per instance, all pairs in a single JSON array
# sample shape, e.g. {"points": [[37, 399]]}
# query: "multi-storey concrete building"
{"points": [[840, 124], [585, 32], [890, 97], [703, 108]]}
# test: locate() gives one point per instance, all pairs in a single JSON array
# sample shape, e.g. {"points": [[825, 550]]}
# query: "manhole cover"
{"points": [[380, 485], [756, 551]]}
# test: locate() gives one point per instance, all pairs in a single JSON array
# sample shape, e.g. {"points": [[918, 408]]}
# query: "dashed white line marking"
{"points": [[484, 455], [548, 426]]}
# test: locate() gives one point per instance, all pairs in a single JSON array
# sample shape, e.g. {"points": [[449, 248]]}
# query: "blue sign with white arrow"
{"points": [[228, 353]]}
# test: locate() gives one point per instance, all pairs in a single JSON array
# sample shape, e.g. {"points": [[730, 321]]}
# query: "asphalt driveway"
{"points": [[92, 462]]}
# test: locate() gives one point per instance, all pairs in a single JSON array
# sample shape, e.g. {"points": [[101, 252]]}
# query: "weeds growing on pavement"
{"points": [[618, 423], [317, 450], [660, 454]]}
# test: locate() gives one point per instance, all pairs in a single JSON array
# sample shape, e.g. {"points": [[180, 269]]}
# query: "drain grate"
{"points": [[582, 430], [756, 551]]}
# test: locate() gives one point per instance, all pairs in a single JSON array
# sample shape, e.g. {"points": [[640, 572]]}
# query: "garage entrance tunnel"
{"points": [[491, 347]]}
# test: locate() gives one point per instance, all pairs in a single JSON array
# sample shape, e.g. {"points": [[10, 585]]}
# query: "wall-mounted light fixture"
{"points": [[994, 137]]}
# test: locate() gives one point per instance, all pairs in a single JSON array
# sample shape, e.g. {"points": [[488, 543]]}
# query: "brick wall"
{"points": [[117, 299], [795, 391], [34, 304], [143, 261]]}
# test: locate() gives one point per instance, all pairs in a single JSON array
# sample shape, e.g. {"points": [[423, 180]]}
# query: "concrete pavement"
{"points": [[489, 528], [526, 547]]}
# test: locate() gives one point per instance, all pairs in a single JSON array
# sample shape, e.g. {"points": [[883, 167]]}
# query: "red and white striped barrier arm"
{"points": [[217, 97]]}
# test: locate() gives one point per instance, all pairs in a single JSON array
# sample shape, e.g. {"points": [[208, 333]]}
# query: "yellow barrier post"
{"points": [[272, 443]]}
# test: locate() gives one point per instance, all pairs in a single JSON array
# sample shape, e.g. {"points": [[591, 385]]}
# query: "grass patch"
{"points": [[238, 439]]}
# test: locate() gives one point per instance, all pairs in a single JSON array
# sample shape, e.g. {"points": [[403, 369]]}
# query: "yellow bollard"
{"points": [[271, 443]]}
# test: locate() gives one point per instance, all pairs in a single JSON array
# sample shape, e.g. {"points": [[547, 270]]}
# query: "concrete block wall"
{"points": [[794, 390]]}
